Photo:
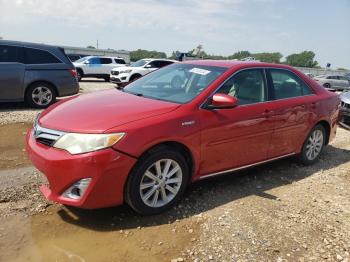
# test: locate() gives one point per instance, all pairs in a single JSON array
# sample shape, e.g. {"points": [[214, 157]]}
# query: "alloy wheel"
{"points": [[314, 144], [161, 183], [42, 95]]}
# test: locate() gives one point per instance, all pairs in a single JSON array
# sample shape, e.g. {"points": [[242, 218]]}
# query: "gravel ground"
{"points": [[280, 211]]}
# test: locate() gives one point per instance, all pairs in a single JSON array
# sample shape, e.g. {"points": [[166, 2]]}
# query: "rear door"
{"points": [[11, 72], [294, 108], [107, 65], [344, 82]]}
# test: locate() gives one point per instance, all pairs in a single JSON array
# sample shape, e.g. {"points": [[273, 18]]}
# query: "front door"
{"points": [[239, 136]]}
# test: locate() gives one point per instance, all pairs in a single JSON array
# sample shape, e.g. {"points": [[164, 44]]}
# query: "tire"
{"points": [[149, 200], [134, 77], [327, 85], [40, 95], [306, 156], [80, 74]]}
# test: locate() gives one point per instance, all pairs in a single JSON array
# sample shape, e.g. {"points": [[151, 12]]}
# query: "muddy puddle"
{"points": [[12, 145], [116, 234]]}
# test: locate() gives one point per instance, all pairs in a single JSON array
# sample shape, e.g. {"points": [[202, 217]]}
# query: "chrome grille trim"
{"points": [[46, 136]]}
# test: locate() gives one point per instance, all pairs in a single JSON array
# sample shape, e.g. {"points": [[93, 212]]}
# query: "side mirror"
{"points": [[222, 101], [87, 62], [148, 66]]}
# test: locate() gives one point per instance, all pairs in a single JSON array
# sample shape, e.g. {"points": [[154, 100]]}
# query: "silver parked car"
{"points": [[345, 109], [336, 82], [35, 73]]}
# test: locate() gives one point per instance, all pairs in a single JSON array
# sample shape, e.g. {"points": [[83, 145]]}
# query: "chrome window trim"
{"points": [[244, 167], [268, 101]]}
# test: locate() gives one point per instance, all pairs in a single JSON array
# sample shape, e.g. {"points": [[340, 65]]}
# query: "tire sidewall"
{"points": [[79, 74], [29, 99], [132, 192], [303, 156]]}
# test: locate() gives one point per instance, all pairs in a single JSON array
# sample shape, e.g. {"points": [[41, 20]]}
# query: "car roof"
{"points": [[28, 44], [158, 59], [235, 64], [101, 56]]}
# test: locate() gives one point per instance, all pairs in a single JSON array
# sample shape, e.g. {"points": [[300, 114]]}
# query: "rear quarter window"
{"points": [[37, 56], [120, 61], [9, 54]]}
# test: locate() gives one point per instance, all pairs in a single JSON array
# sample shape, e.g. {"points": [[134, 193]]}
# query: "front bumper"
{"points": [[108, 170], [119, 79]]}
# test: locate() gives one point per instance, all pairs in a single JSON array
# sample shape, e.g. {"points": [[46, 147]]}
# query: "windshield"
{"points": [[139, 63], [82, 59], [179, 83]]}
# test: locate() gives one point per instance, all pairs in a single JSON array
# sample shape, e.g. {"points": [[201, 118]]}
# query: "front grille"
{"points": [[45, 141], [115, 73], [345, 105], [46, 136]]}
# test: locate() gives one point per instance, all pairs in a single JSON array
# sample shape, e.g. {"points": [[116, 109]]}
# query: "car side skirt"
{"points": [[244, 167]]}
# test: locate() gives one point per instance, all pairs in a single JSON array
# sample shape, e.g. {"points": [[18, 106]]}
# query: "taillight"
{"points": [[73, 72]]}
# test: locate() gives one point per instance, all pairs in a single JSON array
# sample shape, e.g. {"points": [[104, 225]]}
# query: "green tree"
{"points": [[268, 57], [303, 59], [90, 46], [240, 55], [140, 54]]}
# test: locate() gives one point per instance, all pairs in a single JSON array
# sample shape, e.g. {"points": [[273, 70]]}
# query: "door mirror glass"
{"points": [[222, 101]]}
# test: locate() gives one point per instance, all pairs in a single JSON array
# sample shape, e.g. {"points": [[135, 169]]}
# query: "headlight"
{"points": [[125, 72], [82, 143]]}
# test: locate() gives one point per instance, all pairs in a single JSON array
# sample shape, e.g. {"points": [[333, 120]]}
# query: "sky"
{"points": [[223, 27]]}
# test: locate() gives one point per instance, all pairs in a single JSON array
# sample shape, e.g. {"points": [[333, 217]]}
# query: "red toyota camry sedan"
{"points": [[188, 121]]}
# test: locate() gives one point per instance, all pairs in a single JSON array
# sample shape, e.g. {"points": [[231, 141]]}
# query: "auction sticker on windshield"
{"points": [[199, 71]]}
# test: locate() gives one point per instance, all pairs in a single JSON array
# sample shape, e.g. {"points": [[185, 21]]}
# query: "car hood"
{"points": [[345, 97], [99, 111]]}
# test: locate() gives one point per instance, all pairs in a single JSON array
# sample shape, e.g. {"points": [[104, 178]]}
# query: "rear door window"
{"points": [[37, 56], [119, 61], [10, 54], [105, 61], [287, 85]]}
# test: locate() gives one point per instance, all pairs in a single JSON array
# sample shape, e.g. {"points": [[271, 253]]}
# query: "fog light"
{"points": [[77, 190]]}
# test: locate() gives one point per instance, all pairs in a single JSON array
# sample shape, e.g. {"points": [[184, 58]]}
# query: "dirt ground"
{"points": [[280, 211]]}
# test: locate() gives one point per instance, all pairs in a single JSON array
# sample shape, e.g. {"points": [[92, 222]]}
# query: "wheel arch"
{"points": [[135, 75], [41, 81], [79, 69], [327, 128], [178, 146]]}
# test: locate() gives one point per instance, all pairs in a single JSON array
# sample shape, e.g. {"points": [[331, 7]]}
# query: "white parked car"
{"points": [[126, 74], [97, 66], [336, 82]]}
